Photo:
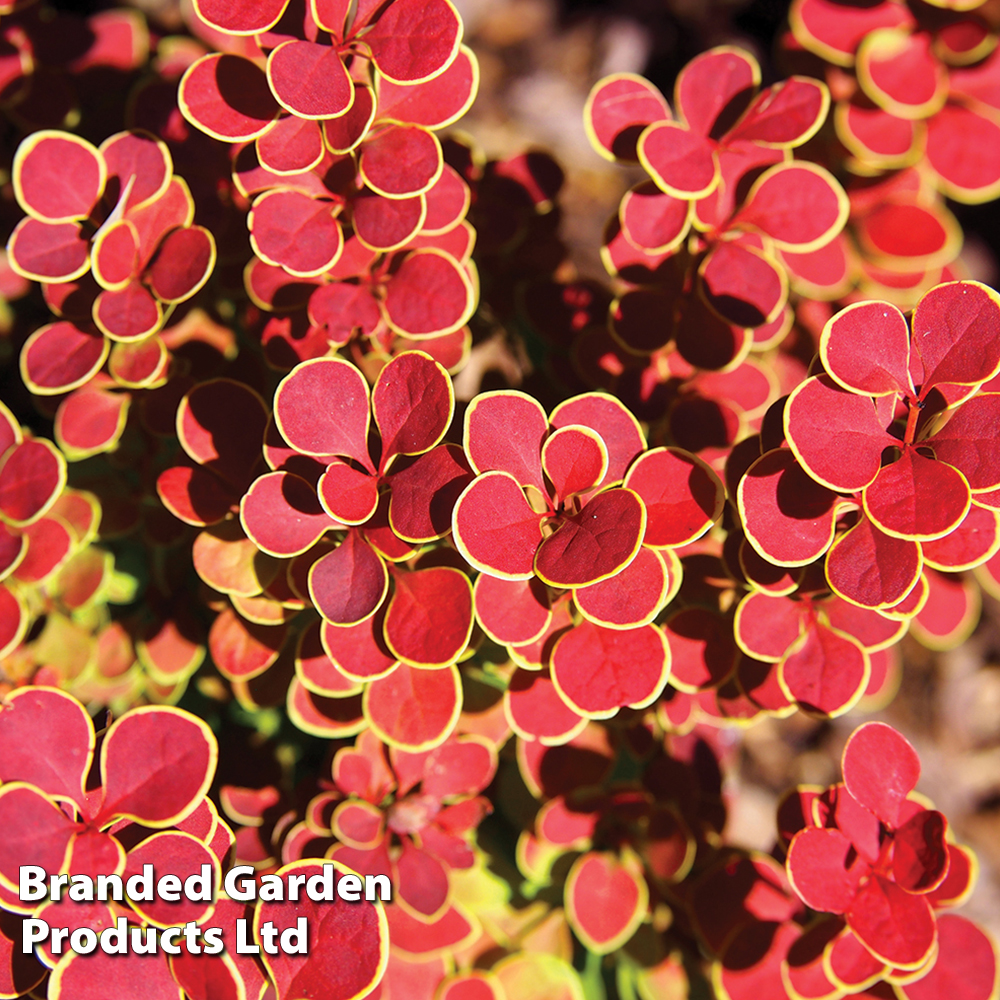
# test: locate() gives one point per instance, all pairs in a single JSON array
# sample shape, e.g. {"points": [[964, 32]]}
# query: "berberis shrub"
{"points": [[287, 585]]}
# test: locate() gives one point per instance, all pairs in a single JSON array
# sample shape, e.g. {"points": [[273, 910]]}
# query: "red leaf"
{"points": [[504, 431], [752, 961], [316, 670], [599, 670], [116, 255], [962, 175], [429, 619], [634, 595], [464, 766], [575, 460], [343, 310], [682, 495], [59, 357], [359, 651], [825, 671], [221, 423], [920, 853], [701, 651], [282, 515], [618, 428], [90, 421], [35, 831], [851, 963], [900, 72], [92, 977], [866, 349], [173, 853], [880, 769], [139, 159], [713, 81], [917, 498], [412, 402], [593, 544], [821, 24], [835, 434], [512, 612], [422, 881], [430, 295], [348, 584], [424, 493], [182, 264], [32, 475], [434, 103], [49, 543], [447, 202], [399, 161], [799, 205], [653, 221], [333, 391], [43, 251], [965, 967], [495, 529], [343, 134], [414, 40], [228, 97], [950, 611], [386, 224], [57, 177], [130, 313], [327, 718], [956, 333], [194, 495], [292, 146], [870, 568], [412, 708], [786, 114], [46, 739], [310, 80], [417, 937], [157, 764], [348, 494], [606, 901], [348, 945], [904, 235], [618, 108], [893, 924], [969, 441], [788, 517], [681, 162], [744, 285], [241, 18], [535, 710], [14, 620], [241, 649], [299, 233], [824, 869]]}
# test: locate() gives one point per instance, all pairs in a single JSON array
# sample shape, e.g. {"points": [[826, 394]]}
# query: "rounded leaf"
{"points": [[880, 769], [60, 357], [599, 670], [414, 709], [32, 475], [157, 764], [310, 80], [58, 177], [606, 900], [348, 946], [228, 97]]}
